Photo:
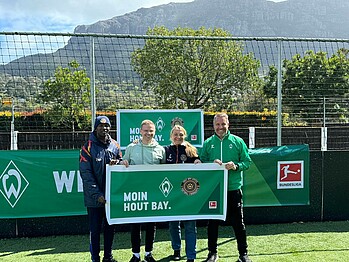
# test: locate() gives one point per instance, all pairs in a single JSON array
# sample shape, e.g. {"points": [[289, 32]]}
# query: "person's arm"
{"points": [[117, 156], [203, 154], [163, 159], [87, 173], [127, 157], [245, 159], [194, 159]]}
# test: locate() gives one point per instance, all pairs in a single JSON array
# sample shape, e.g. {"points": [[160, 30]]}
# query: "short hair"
{"points": [[220, 115], [147, 122]]}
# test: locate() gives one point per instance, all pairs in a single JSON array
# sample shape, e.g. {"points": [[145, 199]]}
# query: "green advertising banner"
{"points": [[145, 193], [129, 122], [40, 184], [47, 183], [278, 176]]}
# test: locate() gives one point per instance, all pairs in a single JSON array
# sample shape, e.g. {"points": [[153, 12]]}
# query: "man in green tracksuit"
{"points": [[230, 150]]}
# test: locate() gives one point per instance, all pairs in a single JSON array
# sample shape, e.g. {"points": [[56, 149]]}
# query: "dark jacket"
{"points": [[94, 156], [176, 155]]}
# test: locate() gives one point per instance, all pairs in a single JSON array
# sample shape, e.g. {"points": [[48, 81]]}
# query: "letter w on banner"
{"points": [[155, 193]]}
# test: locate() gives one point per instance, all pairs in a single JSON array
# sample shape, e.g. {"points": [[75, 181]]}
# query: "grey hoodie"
{"points": [[140, 154]]}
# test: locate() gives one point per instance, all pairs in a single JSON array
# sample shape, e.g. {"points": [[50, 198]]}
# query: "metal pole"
{"points": [[324, 129], [323, 149], [324, 112], [279, 95], [92, 82], [12, 126], [251, 137]]}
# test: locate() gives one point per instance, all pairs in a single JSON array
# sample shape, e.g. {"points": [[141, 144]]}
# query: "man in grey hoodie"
{"points": [[146, 152]]}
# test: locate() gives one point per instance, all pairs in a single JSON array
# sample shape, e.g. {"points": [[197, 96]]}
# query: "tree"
{"points": [[67, 97], [189, 68], [307, 80]]}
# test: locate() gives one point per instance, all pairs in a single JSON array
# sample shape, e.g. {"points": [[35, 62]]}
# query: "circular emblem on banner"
{"points": [[183, 158], [177, 121], [190, 186]]}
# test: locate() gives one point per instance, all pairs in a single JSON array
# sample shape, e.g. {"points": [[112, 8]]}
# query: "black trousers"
{"points": [[235, 219], [150, 230], [97, 220]]}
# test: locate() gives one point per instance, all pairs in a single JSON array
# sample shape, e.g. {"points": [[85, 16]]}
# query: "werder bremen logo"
{"points": [[160, 124], [166, 187], [12, 184]]}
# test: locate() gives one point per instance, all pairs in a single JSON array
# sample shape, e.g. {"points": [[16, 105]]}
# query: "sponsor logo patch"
{"points": [[190, 186], [212, 204], [290, 174]]}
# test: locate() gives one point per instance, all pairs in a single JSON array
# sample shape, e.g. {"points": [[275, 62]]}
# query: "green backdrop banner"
{"points": [[164, 120], [278, 176], [148, 193], [47, 183], [40, 183]]}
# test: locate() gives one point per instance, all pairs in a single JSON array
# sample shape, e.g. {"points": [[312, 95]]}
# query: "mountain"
{"points": [[243, 18], [252, 18]]}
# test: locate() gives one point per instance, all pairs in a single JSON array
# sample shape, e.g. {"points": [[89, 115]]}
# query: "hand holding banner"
{"points": [[144, 193]]}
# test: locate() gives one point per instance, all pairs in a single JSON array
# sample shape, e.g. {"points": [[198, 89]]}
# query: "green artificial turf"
{"points": [[315, 241]]}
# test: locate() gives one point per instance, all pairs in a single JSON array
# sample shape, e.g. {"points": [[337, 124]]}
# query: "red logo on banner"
{"points": [[290, 174], [212, 204], [193, 137]]}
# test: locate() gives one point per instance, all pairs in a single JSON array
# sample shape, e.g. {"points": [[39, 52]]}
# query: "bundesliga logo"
{"points": [[290, 174], [212, 204]]}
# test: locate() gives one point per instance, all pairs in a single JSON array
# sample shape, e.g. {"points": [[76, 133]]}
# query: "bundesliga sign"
{"points": [[278, 176], [290, 174], [154, 193]]}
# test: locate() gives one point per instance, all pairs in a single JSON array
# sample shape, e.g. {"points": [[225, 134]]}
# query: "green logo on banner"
{"points": [[160, 124], [13, 184], [166, 187]]}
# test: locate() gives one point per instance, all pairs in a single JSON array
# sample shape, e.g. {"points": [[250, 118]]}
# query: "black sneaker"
{"points": [[135, 259], [244, 258], [176, 255], [149, 258], [211, 257], [111, 259], [190, 260]]}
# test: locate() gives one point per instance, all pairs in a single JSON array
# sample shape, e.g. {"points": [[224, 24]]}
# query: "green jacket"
{"points": [[139, 154], [230, 148]]}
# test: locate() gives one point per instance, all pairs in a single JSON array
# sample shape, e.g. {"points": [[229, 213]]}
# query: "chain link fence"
{"points": [[302, 83]]}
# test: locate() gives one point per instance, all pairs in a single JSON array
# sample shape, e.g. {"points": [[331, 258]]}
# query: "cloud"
{"points": [[58, 17], [64, 15], [55, 17]]}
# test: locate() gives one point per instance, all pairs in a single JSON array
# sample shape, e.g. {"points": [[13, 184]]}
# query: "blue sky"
{"points": [[64, 15]]}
